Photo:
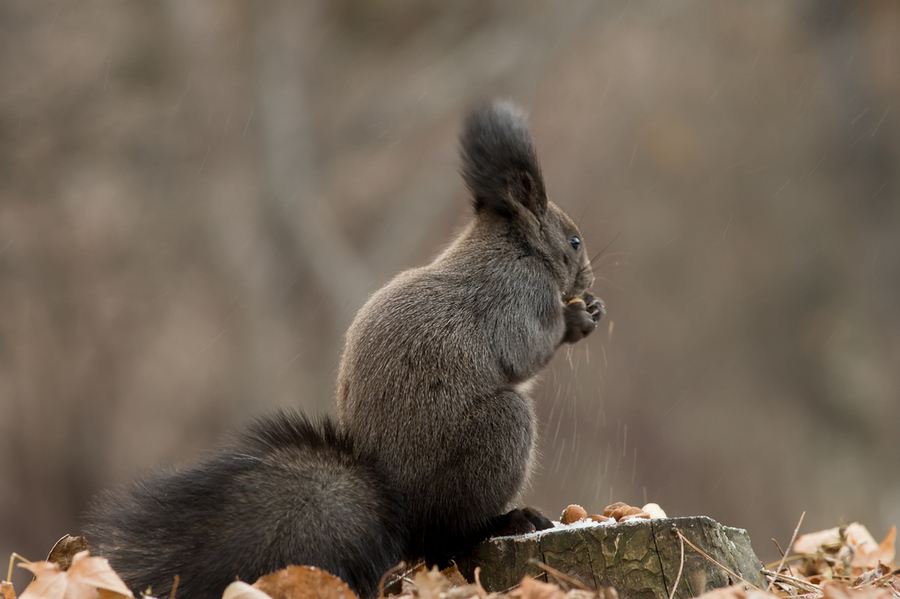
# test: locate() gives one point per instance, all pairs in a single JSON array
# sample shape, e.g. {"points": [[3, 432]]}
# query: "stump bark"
{"points": [[639, 558]]}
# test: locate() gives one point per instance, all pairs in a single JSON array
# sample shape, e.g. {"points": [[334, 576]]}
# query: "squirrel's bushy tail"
{"points": [[498, 161], [289, 491]]}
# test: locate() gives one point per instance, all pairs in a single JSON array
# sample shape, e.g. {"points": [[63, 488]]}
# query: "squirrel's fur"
{"points": [[437, 430], [287, 491]]}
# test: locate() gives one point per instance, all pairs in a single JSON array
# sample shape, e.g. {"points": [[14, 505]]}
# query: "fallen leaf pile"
{"points": [[86, 578], [290, 583], [450, 584], [839, 563], [848, 551], [530, 588]]}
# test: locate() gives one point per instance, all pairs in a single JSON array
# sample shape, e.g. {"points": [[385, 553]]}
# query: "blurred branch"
{"points": [[243, 235], [284, 34]]}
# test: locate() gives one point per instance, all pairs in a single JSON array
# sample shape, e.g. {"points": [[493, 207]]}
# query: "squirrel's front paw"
{"points": [[519, 521], [582, 314]]}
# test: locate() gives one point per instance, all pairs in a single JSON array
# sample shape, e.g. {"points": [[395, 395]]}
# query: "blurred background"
{"points": [[196, 197]]}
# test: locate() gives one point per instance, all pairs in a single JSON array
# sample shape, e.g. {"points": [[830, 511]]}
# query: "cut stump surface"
{"points": [[639, 558]]}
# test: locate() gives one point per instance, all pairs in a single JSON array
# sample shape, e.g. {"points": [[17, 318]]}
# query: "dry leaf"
{"points": [[872, 575], [735, 591], [603, 593], [242, 590], [814, 541], [407, 586], [7, 591], [455, 577], [304, 582], [49, 581], [887, 548], [65, 549], [430, 583], [530, 588], [866, 552], [96, 572], [87, 578], [837, 590]]}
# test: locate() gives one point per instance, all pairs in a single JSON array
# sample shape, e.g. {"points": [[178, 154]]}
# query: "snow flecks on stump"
{"points": [[640, 558]]}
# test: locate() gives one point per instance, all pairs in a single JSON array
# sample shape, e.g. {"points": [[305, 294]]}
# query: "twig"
{"points": [[797, 582], [784, 555], [508, 589], [174, 586], [393, 570], [559, 575], [786, 559], [704, 554], [794, 558], [481, 591], [879, 580], [680, 566], [12, 559]]}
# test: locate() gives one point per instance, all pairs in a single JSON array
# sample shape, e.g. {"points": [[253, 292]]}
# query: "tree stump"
{"points": [[639, 558]]}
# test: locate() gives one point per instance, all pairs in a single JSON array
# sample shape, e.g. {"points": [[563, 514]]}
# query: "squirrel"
{"points": [[436, 430], [434, 375]]}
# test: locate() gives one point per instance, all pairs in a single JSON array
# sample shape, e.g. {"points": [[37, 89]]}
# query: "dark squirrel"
{"points": [[437, 432]]}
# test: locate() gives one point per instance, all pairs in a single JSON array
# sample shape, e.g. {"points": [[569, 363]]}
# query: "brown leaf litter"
{"points": [[840, 563]]}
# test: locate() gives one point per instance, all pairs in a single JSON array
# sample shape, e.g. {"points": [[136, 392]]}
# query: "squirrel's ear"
{"points": [[499, 164]]}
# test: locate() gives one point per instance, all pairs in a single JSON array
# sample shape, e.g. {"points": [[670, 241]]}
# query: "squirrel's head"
{"points": [[501, 170]]}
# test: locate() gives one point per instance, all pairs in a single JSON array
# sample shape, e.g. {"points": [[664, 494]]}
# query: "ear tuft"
{"points": [[499, 164]]}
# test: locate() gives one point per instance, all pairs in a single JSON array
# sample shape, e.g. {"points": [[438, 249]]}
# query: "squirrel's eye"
{"points": [[575, 242]]}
